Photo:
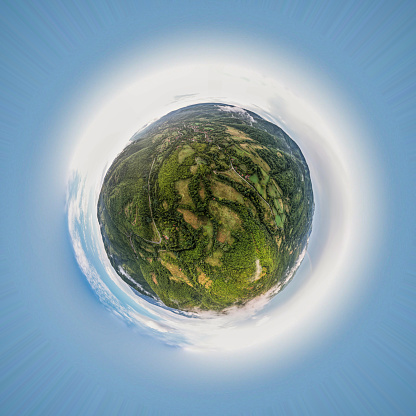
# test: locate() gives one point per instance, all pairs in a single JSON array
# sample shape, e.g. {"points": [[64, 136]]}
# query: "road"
{"points": [[232, 167], [150, 207], [150, 202]]}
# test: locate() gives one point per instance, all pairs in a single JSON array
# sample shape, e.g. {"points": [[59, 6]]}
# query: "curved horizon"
{"points": [[79, 79]]}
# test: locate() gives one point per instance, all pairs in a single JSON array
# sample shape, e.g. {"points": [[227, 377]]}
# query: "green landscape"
{"points": [[207, 208]]}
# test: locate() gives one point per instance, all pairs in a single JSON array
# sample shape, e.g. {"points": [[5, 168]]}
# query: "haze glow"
{"points": [[344, 178]]}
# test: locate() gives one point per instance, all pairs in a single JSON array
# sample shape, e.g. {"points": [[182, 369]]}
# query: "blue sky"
{"points": [[61, 350]]}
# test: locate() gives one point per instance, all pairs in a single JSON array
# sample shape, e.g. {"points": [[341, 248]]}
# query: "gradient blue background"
{"points": [[61, 351]]}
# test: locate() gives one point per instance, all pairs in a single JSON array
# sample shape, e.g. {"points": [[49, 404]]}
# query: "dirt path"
{"points": [[132, 246], [258, 271]]}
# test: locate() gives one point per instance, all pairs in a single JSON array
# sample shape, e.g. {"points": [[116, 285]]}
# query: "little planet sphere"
{"points": [[207, 208]]}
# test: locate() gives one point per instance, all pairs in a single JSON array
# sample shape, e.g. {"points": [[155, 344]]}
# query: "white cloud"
{"points": [[237, 111]]}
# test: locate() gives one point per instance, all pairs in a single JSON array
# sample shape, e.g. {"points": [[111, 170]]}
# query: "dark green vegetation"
{"points": [[208, 207]]}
